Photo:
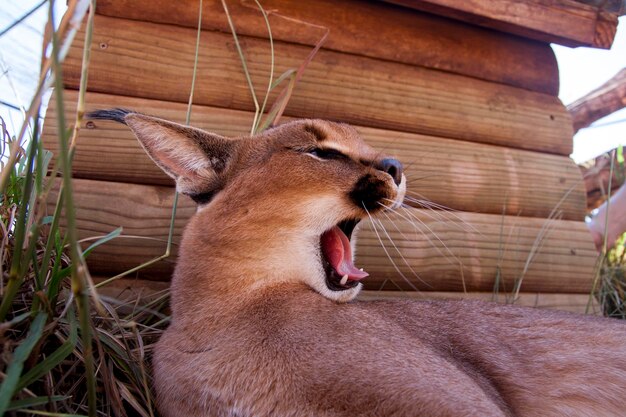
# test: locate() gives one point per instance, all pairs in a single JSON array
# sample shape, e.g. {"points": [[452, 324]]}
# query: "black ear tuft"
{"points": [[117, 115]]}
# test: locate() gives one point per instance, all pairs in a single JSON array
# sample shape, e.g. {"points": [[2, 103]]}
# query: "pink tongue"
{"points": [[337, 250]]}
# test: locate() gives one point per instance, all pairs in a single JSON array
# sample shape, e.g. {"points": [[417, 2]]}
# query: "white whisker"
{"points": [[373, 223], [457, 221], [425, 203], [414, 218], [394, 223], [401, 254]]}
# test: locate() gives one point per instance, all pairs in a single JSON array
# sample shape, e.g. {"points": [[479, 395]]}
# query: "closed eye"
{"points": [[327, 153]]}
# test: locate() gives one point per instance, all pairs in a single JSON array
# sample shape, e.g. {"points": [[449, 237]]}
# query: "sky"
{"points": [[20, 55], [581, 71]]}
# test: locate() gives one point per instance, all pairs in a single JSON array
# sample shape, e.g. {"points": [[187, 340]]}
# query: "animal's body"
{"points": [[264, 322]]}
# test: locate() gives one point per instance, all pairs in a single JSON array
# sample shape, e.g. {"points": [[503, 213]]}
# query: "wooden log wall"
{"points": [[487, 139], [529, 65], [155, 61], [430, 251], [457, 174]]}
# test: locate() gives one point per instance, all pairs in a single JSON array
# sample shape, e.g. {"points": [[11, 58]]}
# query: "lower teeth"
{"points": [[344, 280]]}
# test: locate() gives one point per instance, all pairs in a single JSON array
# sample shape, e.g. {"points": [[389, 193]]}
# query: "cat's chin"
{"points": [[341, 296]]}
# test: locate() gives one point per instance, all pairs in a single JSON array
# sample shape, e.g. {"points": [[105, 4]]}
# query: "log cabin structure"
{"points": [[464, 93]]}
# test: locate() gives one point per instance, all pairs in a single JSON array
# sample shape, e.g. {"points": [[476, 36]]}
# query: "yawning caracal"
{"points": [[263, 322]]}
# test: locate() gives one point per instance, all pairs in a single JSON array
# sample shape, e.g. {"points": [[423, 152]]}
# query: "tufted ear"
{"points": [[194, 158]]}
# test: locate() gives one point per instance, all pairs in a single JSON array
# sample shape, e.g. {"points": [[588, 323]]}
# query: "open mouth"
{"points": [[341, 274]]}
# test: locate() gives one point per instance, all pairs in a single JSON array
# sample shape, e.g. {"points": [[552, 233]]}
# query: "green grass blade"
{"points": [[14, 369], [50, 414], [35, 401], [195, 64], [78, 271], [15, 320], [244, 66], [55, 358], [53, 236], [285, 75], [103, 240], [17, 268], [280, 104], [57, 274], [270, 82]]}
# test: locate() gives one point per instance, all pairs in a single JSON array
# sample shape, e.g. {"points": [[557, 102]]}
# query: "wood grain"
{"points": [[613, 6], [597, 176], [566, 22], [575, 303], [604, 100], [155, 61], [456, 174], [369, 29], [467, 251], [449, 252], [129, 290]]}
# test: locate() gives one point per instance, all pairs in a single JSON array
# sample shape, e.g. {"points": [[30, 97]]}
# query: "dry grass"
{"points": [[611, 292], [65, 350]]}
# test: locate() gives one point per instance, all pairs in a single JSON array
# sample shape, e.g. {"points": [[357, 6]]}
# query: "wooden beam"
{"points": [[457, 174], [604, 100], [446, 252], [597, 177], [155, 61], [612, 6], [371, 29], [131, 289], [575, 303], [469, 252], [565, 22]]}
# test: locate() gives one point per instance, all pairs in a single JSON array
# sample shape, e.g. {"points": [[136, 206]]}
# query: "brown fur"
{"points": [[254, 332]]}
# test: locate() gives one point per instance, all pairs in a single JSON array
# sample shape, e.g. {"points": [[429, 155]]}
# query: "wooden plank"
{"points": [[456, 174], [565, 22], [130, 290], [575, 303], [467, 251], [144, 212], [613, 6], [155, 61], [597, 176], [462, 251], [604, 100], [369, 29]]}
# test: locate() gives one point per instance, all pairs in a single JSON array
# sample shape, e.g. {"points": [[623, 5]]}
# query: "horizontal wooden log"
{"points": [[156, 61], [422, 249], [596, 178], [575, 303], [130, 290], [456, 174], [565, 22], [604, 100], [370, 29], [469, 252], [613, 6]]}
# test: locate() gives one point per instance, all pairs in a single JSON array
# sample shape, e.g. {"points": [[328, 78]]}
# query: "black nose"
{"points": [[392, 167]]}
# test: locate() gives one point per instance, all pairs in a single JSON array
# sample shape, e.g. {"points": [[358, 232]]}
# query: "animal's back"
{"points": [[443, 358]]}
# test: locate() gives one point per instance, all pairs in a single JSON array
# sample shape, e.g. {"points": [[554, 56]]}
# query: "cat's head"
{"points": [[304, 184]]}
